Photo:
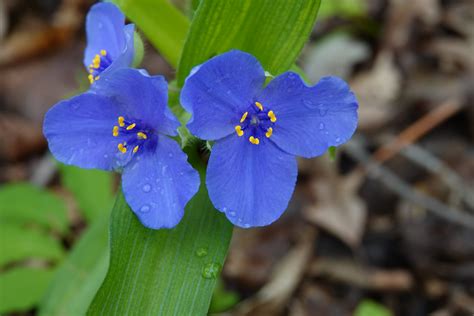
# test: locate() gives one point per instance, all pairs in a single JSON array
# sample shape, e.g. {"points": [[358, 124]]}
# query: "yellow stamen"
{"points": [[96, 61], [141, 135], [131, 126], [91, 78], [272, 116], [238, 130], [269, 132], [244, 116], [122, 148], [115, 131], [135, 149], [103, 52], [254, 140], [259, 106], [96, 78], [121, 120]]}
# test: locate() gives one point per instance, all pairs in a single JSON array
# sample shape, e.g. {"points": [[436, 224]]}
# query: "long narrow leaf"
{"points": [[163, 24], [164, 272], [272, 30]]}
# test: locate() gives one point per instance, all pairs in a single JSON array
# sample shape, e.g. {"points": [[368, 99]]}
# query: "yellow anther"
{"points": [[91, 78], [238, 130], [259, 106], [141, 135], [269, 132], [121, 120], [115, 131], [96, 61], [244, 116], [131, 126], [96, 78], [135, 149], [254, 140], [272, 116], [103, 52], [122, 148]]}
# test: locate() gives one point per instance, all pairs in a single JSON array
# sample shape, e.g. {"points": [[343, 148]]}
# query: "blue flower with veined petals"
{"points": [[109, 40], [122, 123], [259, 130]]}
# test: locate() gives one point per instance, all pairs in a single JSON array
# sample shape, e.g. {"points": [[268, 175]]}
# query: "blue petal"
{"points": [[125, 58], [79, 131], [105, 30], [141, 97], [158, 185], [217, 93], [310, 119], [251, 184]]}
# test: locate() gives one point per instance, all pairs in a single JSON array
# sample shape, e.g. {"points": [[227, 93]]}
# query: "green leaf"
{"points": [[272, 30], [163, 24], [164, 272], [92, 189], [79, 276], [371, 308], [21, 288], [342, 8], [27, 204], [18, 244]]}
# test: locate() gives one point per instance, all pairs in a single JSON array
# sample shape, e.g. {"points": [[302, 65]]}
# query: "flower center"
{"points": [[100, 62], [133, 135], [256, 122]]}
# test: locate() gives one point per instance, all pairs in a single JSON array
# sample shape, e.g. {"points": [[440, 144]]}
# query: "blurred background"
{"points": [[386, 227]]}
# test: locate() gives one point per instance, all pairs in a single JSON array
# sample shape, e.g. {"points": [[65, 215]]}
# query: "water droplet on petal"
{"points": [[308, 103], [211, 270], [201, 252], [246, 225], [145, 208], [232, 213], [338, 140], [146, 188], [170, 155], [321, 126]]}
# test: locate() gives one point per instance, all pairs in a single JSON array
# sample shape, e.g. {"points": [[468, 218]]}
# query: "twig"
{"points": [[415, 131], [397, 185], [348, 271], [431, 163]]}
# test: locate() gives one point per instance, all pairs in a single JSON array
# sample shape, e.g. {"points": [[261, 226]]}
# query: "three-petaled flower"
{"points": [[122, 123], [259, 130], [109, 41]]}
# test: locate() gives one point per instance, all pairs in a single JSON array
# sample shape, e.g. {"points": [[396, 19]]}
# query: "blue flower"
{"points": [[259, 130], [109, 40], [121, 123]]}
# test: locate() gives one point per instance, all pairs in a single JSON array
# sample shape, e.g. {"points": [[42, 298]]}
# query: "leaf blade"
{"points": [[272, 30]]}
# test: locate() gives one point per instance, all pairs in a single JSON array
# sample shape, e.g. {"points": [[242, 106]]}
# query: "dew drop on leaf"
{"points": [[201, 252], [211, 270]]}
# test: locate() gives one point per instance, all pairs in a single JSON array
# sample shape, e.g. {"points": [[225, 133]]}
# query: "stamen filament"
{"points": [[269, 132], [254, 140], [259, 106], [238, 130]]}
